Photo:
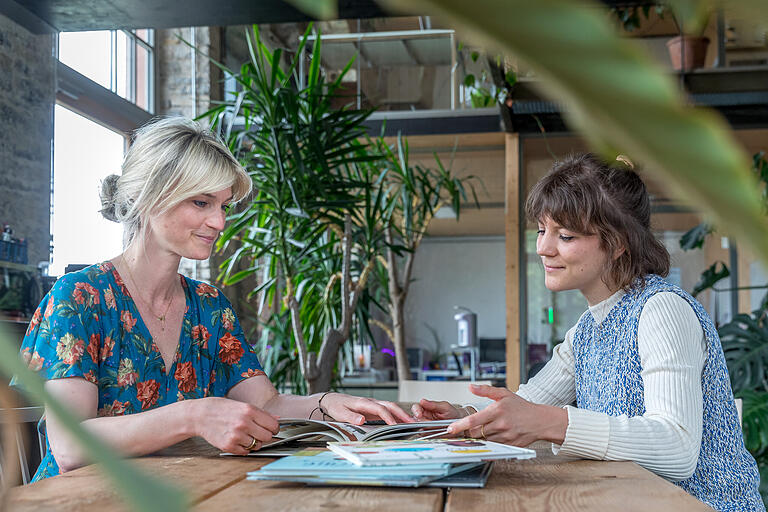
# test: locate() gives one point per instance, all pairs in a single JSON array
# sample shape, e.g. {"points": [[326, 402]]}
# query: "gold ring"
{"points": [[253, 443], [482, 430]]}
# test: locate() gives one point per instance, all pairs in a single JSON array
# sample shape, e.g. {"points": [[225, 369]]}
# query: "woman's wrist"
{"points": [[321, 406], [191, 412], [554, 423]]}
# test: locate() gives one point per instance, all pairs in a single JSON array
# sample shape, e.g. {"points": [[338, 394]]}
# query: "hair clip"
{"points": [[626, 161]]}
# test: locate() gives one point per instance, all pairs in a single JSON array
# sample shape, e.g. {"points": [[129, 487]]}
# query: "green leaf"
{"points": [[142, 492], [319, 9], [745, 346], [314, 65], [694, 238], [510, 77], [616, 97], [754, 413], [710, 276]]}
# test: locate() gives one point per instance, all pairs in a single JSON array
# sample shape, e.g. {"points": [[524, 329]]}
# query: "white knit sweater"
{"points": [[666, 439]]}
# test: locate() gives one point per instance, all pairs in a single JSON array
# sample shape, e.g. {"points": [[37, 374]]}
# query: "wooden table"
{"points": [[217, 484]]}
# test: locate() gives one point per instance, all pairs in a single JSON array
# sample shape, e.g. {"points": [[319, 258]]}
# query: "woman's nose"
{"points": [[545, 245], [217, 220]]}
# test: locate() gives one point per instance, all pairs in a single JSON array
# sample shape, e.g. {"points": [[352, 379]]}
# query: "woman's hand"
{"points": [[512, 420], [427, 410], [232, 426], [356, 410]]}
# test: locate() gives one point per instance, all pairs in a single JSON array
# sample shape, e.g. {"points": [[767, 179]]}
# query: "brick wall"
{"points": [[174, 65], [174, 92], [27, 94]]}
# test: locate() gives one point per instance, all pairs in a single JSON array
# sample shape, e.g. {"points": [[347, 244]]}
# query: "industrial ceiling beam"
{"points": [[46, 16]]}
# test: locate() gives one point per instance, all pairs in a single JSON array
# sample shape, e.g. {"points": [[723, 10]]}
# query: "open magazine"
{"points": [[309, 431]]}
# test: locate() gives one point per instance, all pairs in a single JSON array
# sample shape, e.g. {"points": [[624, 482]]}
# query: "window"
{"points": [[85, 153], [118, 60]]}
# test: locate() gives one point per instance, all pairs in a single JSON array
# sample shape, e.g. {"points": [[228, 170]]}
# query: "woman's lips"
{"points": [[549, 268], [207, 239]]}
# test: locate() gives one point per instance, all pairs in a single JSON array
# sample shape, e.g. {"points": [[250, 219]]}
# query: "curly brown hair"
{"points": [[586, 195]]}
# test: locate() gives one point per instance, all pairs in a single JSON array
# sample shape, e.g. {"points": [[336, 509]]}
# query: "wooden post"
{"points": [[512, 251]]}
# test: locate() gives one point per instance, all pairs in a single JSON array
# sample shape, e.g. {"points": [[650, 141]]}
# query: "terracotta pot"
{"points": [[691, 48]]}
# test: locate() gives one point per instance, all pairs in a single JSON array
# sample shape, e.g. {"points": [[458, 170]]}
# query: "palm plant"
{"points": [[418, 193], [310, 225]]}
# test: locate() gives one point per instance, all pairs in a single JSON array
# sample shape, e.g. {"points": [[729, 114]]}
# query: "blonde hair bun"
{"points": [[108, 193]]}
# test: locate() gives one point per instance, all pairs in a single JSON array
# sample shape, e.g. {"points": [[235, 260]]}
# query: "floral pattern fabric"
{"points": [[88, 326]]}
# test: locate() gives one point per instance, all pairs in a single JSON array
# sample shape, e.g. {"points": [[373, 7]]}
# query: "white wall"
{"points": [[461, 271]]}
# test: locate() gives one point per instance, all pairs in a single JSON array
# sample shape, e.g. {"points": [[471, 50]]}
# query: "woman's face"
{"points": [[572, 261], [191, 227]]}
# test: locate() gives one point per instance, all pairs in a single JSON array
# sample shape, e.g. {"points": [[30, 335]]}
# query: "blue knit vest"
{"points": [[607, 367]]}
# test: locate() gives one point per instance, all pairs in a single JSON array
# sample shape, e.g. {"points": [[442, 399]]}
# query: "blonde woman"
{"points": [[148, 357]]}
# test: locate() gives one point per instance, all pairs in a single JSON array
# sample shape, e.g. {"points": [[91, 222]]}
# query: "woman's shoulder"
{"points": [[91, 280], [668, 304]]}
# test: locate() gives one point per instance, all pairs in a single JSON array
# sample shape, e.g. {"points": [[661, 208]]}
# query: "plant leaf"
{"points": [[319, 9], [710, 276], [694, 238], [143, 492], [618, 98]]}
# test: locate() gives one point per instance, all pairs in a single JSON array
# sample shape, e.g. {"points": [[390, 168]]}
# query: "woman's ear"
{"points": [[618, 252]]}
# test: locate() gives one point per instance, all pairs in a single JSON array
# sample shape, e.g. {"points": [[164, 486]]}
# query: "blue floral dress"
{"points": [[89, 326]]}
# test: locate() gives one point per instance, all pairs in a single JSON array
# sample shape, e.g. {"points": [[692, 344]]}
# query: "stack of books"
{"points": [[400, 463]]}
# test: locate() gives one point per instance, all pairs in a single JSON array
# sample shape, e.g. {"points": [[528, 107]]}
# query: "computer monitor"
{"points": [[415, 358], [493, 350]]}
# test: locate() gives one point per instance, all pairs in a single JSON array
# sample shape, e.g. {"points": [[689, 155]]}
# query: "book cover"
{"points": [[316, 462], [385, 453], [323, 467], [383, 481], [474, 477]]}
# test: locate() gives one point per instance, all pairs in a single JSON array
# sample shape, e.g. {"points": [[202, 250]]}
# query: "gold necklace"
{"points": [[161, 318]]}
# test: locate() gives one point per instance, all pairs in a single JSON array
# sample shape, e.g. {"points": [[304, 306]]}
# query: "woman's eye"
{"points": [[566, 238], [200, 204], [540, 232]]}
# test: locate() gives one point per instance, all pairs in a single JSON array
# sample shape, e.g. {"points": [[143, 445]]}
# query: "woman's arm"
{"points": [[227, 424], [554, 384], [352, 409], [665, 440]]}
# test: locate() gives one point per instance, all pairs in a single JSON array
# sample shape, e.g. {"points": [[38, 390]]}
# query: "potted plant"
{"points": [[687, 51]]}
